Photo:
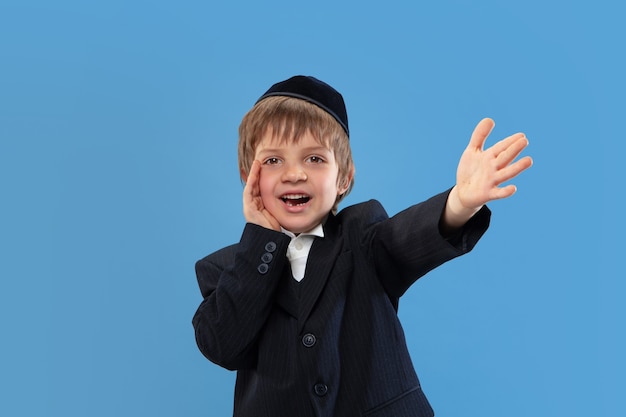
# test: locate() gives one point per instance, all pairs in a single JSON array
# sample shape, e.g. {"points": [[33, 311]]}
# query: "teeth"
{"points": [[296, 199]]}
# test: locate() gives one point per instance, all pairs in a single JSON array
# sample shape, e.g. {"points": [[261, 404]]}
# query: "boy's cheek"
{"points": [[268, 200]]}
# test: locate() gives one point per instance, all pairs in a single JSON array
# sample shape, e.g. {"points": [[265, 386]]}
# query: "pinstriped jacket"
{"points": [[331, 345]]}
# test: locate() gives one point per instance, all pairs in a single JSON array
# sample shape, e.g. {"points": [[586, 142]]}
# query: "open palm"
{"points": [[481, 172]]}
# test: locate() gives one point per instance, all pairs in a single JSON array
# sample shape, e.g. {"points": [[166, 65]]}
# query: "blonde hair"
{"points": [[289, 119]]}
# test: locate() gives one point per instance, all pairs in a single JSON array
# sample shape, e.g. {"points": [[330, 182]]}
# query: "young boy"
{"points": [[304, 307]]}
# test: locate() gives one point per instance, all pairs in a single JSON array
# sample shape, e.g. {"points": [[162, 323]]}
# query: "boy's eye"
{"points": [[271, 161], [316, 159]]}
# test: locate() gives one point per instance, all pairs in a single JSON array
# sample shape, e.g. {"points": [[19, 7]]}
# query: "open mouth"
{"points": [[295, 199]]}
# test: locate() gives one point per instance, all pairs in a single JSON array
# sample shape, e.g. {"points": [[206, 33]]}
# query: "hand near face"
{"points": [[253, 209], [481, 172]]}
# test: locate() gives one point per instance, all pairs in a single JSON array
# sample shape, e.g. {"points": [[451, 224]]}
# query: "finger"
{"points": [[253, 176], [516, 145], [480, 133], [503, 192], [251, 190], [514, 169], [505, 143], [255, 170]]}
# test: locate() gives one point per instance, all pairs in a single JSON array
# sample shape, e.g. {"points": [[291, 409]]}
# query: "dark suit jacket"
{"points": [[331, 345]]}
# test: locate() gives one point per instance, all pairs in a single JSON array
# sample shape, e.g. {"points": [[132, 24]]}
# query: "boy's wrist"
{"points": [[455, 214]]}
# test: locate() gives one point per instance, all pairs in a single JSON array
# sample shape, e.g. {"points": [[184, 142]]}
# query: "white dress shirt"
{"points": [[299, 248]]}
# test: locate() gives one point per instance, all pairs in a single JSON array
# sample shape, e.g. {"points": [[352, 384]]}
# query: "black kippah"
{"points": [[314, 91]]}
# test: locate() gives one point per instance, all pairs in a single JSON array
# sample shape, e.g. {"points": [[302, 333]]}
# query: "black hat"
{"points": [[314, 91]]}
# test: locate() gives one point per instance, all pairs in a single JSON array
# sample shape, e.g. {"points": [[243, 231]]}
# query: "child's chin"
{"points": [[297, 228]]}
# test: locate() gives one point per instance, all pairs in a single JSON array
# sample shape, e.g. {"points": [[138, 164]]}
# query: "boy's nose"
{"points": [[294, 174]]}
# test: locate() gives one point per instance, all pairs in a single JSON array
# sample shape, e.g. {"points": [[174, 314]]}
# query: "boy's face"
{"points": [[298, 181]]}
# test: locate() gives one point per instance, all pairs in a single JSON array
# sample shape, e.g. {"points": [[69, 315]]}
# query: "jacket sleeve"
{"points": [[408, 245], [238, 285]]}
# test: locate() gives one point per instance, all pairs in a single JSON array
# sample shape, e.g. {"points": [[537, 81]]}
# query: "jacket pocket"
{"points": [[411, 403]]}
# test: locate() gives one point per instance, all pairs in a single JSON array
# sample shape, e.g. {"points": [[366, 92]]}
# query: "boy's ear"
{"points": [[345, 184], [243, 175]]}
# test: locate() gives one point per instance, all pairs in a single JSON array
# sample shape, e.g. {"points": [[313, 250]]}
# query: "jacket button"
{"points": [[309, 340], [270, 246], [263, 268], [320, 390], [267, 257]]}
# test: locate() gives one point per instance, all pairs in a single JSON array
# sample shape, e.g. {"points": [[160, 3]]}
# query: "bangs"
{"points": [[289, 119], [289, 130]]}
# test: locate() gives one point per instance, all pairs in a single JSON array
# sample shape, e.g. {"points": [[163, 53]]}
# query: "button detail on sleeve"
{"points": [[263, 268], [309, 340], [270, 246], [320, 390], [267, 257]]}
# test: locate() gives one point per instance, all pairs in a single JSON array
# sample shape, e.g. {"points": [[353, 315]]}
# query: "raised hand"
{"points": [[481, 172], [253, 209]]}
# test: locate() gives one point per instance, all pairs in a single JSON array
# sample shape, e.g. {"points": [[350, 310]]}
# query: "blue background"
{"points": [[118, 170]]}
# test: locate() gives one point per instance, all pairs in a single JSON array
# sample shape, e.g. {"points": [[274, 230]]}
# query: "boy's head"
{"points": [[293, 109]]}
